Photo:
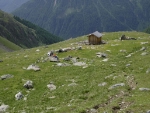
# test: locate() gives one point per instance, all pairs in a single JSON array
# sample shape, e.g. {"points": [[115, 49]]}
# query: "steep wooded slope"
{"points": [[24, 34], [71, 18]]}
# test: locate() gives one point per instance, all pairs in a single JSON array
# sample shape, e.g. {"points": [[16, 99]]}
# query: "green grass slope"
{"points": [[78, 88], [7, 46]]}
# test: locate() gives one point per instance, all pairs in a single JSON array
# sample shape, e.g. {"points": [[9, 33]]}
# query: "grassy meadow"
{"points": [[78, 88]]}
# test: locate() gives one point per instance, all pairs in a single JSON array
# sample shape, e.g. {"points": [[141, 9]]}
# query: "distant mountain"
{"points": [[24, 33], [71, 18], [11, 5]]}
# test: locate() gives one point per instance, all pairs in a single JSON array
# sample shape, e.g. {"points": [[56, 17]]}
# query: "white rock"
{"points": [[19, 96], [3, 108]]}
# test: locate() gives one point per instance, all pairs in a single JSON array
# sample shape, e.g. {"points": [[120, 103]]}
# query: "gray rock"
{"points": [[68, 58], [144, 89], [148, 71], [116, 85], [143, 48], [99, 54], [79, 64], [3, 108], [72, 84], [19, 96], [33, 67], [148, 111], [62, 64], [51, 86], [1, 60], [102, 84], [3, 77], [54, 59], [28, 84], [92, 111], [144, 53]]}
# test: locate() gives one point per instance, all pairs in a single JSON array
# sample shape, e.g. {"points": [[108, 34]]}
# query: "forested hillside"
{"points": [[79, 17], [24, 33], [11, 5]]}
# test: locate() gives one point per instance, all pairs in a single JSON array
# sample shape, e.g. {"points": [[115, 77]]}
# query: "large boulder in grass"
{"points": [[19, 96], [33, 67], [3, 108], [28, 84], [54, 59], [3, 77]]}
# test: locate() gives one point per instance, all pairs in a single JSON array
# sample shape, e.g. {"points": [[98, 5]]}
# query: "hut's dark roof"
{"points": [[96, 33]]}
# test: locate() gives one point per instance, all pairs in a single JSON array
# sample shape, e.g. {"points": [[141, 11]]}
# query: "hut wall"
{"points": [[94, 40]]}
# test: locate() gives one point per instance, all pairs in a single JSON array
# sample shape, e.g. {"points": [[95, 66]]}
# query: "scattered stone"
{"points": [[127, 65], [51, 86], [54, 59], [28, 84], [1, 60], [123, 51], [103, 55], [3, 77], [105, 60], [144, 89], [116, 85], [3, 108], [62, 64], [143, 49], [74, 60], [79, 48], [33, 67], [142, 43], [102, 84], [92, 111], [68, 58], [37, 50], [19, 96], [79, 64], [72, 84], [114, 65], [128, 56], [148, 111], [109, 76], [148, 70], [144, 53]]}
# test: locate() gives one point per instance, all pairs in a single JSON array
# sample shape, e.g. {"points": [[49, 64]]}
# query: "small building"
{"points": [[95, 38]]}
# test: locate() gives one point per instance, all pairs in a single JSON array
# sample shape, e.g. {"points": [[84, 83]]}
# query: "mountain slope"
{"points": [[117, 83], [24, 33], [74, 18], [11, 5], [7, 46]]}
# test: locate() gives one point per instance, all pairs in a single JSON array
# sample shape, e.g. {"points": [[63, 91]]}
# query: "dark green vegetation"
{"points": [[72, 18], [147, 30], [24, 33], [86, 94], [11, 5]]}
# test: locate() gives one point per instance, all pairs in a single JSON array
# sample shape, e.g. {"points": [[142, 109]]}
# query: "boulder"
{"points": [[51, 86], [33, 67], [3, 77], [28, 84], [144, 89], [116, 85], [54, 59], [19, 96], [3, 108]]}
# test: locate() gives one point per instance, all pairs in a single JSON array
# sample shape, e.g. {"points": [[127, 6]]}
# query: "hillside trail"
{"points": [[121, 96]]}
